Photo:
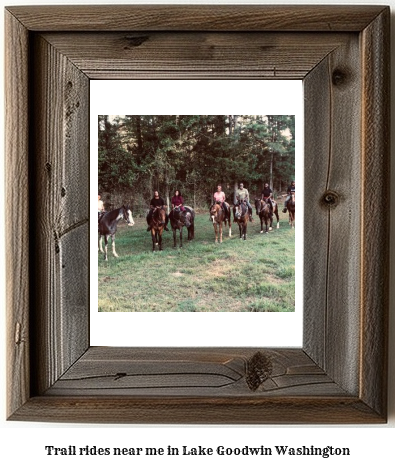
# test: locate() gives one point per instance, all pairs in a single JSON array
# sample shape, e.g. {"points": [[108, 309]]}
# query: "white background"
{"points": [[22, 444], [208, 97]]}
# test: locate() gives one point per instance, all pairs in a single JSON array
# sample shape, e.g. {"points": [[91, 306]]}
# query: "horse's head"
{"points": [[159, 215], [177, 211], [127, 215], [258, 204], [241, 209], [214, 209], [262, 206]]}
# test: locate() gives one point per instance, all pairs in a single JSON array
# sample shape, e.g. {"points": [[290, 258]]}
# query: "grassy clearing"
{"points": [[254, 275]]}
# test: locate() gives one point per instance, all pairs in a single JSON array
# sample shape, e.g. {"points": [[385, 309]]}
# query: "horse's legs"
{"points": [[160, 239], [261, 223], [174, 238], [241, 231], [105, 247], [215, 231], [113, 246], [100, 248], [220, 232], [181, 237], [153, 236]]}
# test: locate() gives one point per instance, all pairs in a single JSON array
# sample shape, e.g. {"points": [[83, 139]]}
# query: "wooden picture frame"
{"points": [[340, 373]]}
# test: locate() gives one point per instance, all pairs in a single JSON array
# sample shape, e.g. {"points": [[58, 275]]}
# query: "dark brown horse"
{"points": [[219, 217], [265, 214], [291, 210], [241, 216], [180, 218], [157, 225]]}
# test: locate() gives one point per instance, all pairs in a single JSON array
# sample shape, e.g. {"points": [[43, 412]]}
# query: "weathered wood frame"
{"points": [[340, 374]]}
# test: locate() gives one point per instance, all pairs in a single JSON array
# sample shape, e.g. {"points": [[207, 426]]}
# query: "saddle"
{"points": [[266, 200]]}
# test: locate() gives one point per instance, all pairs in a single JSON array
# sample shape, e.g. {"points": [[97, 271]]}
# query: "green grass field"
{"points": [[255, 275]]}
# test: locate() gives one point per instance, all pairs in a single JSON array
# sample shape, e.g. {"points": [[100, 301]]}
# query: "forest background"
{"points": [[138, 154]]}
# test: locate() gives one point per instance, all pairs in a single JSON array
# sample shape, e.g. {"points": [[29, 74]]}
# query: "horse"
{"points": [[265, 214], [179, 219], [291, 210], [219, 216], [107, 226], [157, 225], [241, 216]]}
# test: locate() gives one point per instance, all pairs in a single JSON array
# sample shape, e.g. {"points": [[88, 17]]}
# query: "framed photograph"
{"points": [[185, 140], [339, 374]]}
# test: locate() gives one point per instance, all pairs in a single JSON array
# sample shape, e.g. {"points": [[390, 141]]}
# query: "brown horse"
{"points": [[179, 219], [265, 214], [241, 216], [219, 217], [291, 210], [157, 225]]}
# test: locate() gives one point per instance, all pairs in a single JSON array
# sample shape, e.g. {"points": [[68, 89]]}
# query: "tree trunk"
{"points": [[167, 191], [271, 170], [235, 186]]}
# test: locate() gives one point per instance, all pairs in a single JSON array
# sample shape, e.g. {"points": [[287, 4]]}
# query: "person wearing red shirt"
{"points": [[177, 201]]}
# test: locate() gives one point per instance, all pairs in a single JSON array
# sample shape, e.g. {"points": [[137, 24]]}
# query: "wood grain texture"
{"points": [[17, 213], [376, 185], [198, 410], [317, 152], [333, 155], [191, 372], [339, 376], [196, 55], [61, 242], [196, 17]]}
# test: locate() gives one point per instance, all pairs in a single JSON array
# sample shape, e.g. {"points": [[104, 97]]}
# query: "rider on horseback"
{"points": [[267, 194], [177, 201], [290, 190], [242, 194], [219, 197], [156, 202], [100, 204], [100, 208]]}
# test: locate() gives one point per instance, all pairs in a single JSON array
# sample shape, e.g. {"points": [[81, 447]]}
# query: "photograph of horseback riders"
{"points": [[196, 213]]}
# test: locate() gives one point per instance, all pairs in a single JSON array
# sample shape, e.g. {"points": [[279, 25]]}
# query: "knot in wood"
{"points": [[259, 369], [135, 41], [339, 77], [330, 198]]}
